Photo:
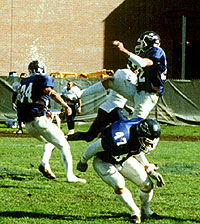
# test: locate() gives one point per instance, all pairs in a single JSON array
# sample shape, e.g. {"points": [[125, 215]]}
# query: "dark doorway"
{"points": [[191, 60]]}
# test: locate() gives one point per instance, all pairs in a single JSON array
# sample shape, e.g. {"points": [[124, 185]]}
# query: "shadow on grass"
{"points": [[21, 214], [179, 220], [19, 175]]}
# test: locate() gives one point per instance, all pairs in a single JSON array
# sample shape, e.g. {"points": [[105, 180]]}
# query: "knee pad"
{"points": [[146, 186]]}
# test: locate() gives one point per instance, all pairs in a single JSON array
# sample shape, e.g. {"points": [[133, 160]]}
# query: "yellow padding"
{"points": [[63, 75]]}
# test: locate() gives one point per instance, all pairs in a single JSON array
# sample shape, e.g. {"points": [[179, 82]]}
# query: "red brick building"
{"points": [[75, 36]]}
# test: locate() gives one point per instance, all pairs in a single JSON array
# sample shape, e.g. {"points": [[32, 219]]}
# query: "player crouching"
{"points": [[119, 154]]}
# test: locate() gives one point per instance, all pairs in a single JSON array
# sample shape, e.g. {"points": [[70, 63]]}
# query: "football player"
{"points": [[108, 112], [35, 92], [16, 100], [119, 154], [150, 60], [71, 94]]}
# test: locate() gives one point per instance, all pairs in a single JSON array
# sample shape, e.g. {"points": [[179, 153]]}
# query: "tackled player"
{"points": [[119, 154]]}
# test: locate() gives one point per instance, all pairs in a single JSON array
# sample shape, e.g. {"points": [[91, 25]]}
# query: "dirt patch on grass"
{"points": [[180, 138], [162, 138], [14, 135]]}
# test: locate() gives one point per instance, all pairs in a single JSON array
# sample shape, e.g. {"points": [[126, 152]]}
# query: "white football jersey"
{"points": [[73, 94]]}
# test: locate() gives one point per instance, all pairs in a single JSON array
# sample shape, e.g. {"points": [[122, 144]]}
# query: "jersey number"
{"points": [[120, 140], [26, 92]]}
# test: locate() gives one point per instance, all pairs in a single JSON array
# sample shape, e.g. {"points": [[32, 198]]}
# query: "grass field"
{"points": [[27, 197]]}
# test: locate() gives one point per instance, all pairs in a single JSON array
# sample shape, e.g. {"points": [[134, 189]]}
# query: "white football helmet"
{"points": [[37, 67], [146, 40]]}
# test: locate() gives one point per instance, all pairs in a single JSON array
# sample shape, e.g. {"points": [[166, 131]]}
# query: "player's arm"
{"points": [[79, 105], [150, 169], [14, 97], [135, 59], [142, 159], [92, 150], [57, 98]]}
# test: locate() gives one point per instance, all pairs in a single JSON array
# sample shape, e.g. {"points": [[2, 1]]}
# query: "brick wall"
{"points": [[67, 35], [76, 35]]}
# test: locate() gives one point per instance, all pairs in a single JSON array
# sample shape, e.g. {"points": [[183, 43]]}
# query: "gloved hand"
{"points": [[152, 166], [158, 177], [82, 166]]}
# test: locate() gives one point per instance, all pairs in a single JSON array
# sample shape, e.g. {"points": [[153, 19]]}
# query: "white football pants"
{"points": [[134, 171], [124, 82], [44, 130]]}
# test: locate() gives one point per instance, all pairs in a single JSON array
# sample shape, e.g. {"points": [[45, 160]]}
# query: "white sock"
{"points": [[67, 160], [145, 201], [47, 150], [127, 199], [96, 88]]}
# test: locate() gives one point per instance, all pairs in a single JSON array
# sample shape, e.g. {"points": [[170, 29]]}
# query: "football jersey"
{"points": [[119, 141], [155, 74], [72, 95], [34, 102]]}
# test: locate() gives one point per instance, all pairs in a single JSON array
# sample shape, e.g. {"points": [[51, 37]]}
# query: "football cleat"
{"points": [[150, 216], [155, 216], [82, 166], [46, 172], [71, 132], [77, 136], [19, 131], [135, 219], [76, 180]]}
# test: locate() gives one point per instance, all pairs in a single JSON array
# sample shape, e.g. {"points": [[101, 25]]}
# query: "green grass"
{"points": [[27, 197], [167, 130], [188, 130]]}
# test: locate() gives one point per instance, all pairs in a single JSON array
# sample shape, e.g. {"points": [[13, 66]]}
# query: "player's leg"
{"points": [[44, 167], [95, 88], [53, 134], [123, 82], [19, 120], [116, 115], [144, 103], [70, 121], [110, 175], [135, 172], [100, 122]]}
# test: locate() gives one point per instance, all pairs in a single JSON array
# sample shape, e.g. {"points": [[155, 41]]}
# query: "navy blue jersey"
{"points": [[120, 140], [155, 74], [34, 102]]}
